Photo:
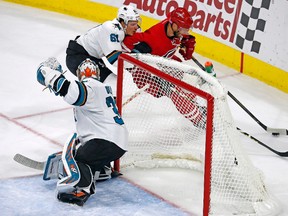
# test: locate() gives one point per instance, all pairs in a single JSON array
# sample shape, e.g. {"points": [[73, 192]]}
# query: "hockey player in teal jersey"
{"points": [[100, 130], [102, 44]]}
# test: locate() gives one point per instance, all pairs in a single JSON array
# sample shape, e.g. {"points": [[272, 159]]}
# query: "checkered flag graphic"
{"points": [[252, 25]]}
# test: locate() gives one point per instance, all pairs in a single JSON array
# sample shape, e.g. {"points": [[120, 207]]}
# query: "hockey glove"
{"points": [[51, 63], [52, 79], [142, 47], [187, 47]]}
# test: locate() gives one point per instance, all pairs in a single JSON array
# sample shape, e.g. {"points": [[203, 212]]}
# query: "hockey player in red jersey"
{"points": [[164, 39]]}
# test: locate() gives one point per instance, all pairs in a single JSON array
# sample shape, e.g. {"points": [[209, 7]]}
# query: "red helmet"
{"points": [[181, 17]]}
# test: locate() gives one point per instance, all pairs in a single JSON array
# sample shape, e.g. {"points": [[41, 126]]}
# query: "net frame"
{"points": [[210, 114]]}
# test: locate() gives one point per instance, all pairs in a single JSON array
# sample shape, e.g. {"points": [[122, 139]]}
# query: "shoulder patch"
{"points": [[117, 26]]}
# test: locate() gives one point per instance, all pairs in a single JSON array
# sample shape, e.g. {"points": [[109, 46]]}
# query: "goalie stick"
{"points": [[49, 171], [19, 158], [273, 131], [40, 165]]}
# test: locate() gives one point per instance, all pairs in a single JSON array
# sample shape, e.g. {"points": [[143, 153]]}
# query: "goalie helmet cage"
{"points": [[178, 116]]}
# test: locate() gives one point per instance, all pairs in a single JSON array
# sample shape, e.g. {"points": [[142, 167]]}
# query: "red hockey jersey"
{"points": [[156, 38]]}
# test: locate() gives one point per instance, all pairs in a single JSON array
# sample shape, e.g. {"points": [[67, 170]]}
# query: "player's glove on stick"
{"points": [[187, 47]]}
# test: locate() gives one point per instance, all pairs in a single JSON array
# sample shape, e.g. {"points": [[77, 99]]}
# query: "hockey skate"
{"points": [[74, 197], [104, 174]]}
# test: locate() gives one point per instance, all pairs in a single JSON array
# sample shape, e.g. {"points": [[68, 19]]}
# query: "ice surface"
{"points": [[37, 124]]}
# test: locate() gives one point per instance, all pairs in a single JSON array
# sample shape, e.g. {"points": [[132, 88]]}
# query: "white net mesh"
{"points": [[167, 128]]}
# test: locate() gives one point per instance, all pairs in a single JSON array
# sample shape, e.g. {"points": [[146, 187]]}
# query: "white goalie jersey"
{"points": [[95, 112]]}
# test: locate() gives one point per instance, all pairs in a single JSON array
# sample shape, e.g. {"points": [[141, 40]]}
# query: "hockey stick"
{"points": [[284, 131], [281, 154], [136, 94], [109, 65], [21, 159], [273, 131], [198, 63], [40, 165]]}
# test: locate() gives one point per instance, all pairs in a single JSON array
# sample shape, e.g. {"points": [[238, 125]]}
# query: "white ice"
{"points": [[36, 124]]}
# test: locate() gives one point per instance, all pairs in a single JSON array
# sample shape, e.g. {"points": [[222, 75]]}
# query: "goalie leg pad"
{"points": [[53, 167], [67, 183], [86, 182]]}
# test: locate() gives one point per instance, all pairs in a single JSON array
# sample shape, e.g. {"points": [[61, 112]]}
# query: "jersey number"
{"points": [[114, 38], [110, 102]]}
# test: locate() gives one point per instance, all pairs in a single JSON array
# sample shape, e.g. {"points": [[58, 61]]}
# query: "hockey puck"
{"points": [[275, 134]]}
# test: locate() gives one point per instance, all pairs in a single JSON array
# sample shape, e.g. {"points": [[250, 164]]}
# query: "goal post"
{"points": [[182, 119], [207, 96]]}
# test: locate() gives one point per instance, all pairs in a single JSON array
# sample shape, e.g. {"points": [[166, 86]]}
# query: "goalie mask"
{"points": [[88, 69]]}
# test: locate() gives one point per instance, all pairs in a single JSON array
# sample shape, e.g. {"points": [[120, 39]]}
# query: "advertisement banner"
{"points": [[250, 36], [258, 28]]}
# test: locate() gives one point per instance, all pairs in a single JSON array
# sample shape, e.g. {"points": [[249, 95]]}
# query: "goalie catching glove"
{"points": [[49, 74], [187, 47]]}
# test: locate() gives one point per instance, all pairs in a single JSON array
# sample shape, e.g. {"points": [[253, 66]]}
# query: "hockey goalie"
{"points": [[101, 132]]}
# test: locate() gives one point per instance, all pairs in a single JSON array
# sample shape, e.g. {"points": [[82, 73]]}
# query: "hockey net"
{"points": [[178, 116]]}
